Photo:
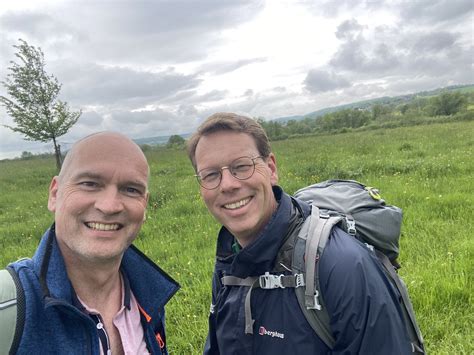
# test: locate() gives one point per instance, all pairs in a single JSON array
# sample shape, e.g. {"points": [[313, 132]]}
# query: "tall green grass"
{"points": [[426, 170]]}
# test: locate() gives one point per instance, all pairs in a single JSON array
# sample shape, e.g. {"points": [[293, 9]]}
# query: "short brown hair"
{"points": [[224, 121]]}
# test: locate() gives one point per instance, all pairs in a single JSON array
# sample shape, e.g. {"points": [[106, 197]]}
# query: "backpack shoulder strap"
{"points": [[308, 249], [12, 302], [408, 313]]}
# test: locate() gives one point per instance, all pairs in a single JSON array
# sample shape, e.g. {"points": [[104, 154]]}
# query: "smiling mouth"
{"points": [[103, 226], [238, 204]]}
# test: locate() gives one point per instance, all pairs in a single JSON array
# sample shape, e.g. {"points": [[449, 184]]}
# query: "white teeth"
{"points": [[102, 226], [238, 204]]}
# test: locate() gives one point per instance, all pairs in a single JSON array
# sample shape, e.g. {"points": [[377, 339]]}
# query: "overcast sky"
{"points": [[152, 68]]}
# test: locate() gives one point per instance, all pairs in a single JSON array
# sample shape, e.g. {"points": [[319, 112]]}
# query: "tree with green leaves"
{"points": [[33, 103], [176, 141], [448, 103]]}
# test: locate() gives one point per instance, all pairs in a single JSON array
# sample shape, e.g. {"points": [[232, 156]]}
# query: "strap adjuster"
{"points": [[299, 280], [313, 302], [269, 281], [351, 226]]}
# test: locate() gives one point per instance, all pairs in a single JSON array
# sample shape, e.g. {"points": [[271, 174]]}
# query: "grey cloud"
{"points": [[143, 123], [136, 117], [349, 29], [401, 49], [269, 104], [158, 31], [91, 118], [35, 25], [454, 63], [214, 95], [143, 17], [167, 123], [349, 56], [435, 54], [427, 47], [358, 54], [93, 84], [126, 31], [192, 97], [435, 11], [186, 110], [383, 58], [154, 122], [434, 42], [319, 80], [50, 31], [226, 67], [279, 89], [332, 8]]}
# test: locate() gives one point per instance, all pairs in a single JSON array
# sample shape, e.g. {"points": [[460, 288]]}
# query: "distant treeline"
{"points": [[449, 106], [446, 107]]}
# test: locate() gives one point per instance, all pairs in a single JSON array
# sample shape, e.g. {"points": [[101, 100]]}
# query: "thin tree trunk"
{"points": [[57, 153]]}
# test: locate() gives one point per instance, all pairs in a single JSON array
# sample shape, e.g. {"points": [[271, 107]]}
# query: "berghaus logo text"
{"points": [[272, 333]]}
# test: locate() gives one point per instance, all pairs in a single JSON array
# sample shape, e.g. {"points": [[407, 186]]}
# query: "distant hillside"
{"points": [[385, 100], [158, 140], [396, 100]]}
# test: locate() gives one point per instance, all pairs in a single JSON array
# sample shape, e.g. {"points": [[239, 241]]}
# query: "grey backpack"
{"points": [[362, 213], [11, 311]]}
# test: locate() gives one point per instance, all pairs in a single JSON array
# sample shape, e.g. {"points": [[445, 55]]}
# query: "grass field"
{"points": [[425, 170]]}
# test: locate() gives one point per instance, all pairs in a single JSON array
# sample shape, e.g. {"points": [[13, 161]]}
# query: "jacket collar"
{"points": [[149, 283], [259, 256]]}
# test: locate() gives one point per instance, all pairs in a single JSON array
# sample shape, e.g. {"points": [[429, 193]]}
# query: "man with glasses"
{"points": [[237, 173]]}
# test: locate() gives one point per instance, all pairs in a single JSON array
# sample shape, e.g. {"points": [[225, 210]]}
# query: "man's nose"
{"points": [[109, 201], [228, 181]]}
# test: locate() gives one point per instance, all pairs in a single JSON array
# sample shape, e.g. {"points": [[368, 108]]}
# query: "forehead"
{"points": [[108, 156], [222, 147]]}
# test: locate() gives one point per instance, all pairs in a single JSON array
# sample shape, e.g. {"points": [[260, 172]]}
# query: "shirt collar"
{"points": [[259, 256]]}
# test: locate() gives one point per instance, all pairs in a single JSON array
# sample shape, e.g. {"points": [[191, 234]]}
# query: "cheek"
{"points": [[263, 171], [139, 209], [207, 197]]}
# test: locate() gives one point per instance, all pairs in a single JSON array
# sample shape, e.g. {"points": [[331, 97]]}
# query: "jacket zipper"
{"points": [[70, 308]]}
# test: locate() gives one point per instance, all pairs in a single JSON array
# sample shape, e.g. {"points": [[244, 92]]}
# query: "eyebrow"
{"points": [[87, 175], [94, 176]]}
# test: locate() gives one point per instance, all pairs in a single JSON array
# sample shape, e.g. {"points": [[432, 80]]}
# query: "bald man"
{"points": [[87, 289]]}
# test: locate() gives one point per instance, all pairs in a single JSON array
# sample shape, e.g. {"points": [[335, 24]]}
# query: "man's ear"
{"points": [[273, 168], [53, 193]]}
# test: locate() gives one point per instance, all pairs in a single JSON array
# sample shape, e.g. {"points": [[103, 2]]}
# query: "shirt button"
{"points": [[100, 325]]}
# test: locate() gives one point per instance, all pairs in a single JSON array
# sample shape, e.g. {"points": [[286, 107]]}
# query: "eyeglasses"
{"points": [[241, 168]]}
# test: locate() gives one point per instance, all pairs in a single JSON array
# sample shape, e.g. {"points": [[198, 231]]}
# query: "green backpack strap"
{"points": [[11, 311], [309, 247]]}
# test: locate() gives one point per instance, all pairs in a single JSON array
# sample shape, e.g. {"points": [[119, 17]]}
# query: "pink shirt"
{"points": [[127, 321]]}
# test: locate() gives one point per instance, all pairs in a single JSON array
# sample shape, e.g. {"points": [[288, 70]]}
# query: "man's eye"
{"points": [[133, 191], [88, 184], [209, 176], [241, 167]]}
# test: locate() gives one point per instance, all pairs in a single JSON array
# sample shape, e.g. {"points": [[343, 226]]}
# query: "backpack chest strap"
{"points": [[267, 282]]}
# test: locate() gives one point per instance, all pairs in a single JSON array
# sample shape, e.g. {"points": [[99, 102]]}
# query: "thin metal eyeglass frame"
{"points": [[228, 168]]}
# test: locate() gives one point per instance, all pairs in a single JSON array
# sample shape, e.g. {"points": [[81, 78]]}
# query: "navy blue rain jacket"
{"points": [[363, 306], [54, 325]]}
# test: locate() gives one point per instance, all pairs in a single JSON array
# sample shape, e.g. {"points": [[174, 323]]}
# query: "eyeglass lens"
{"points": [[241, 168]]}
